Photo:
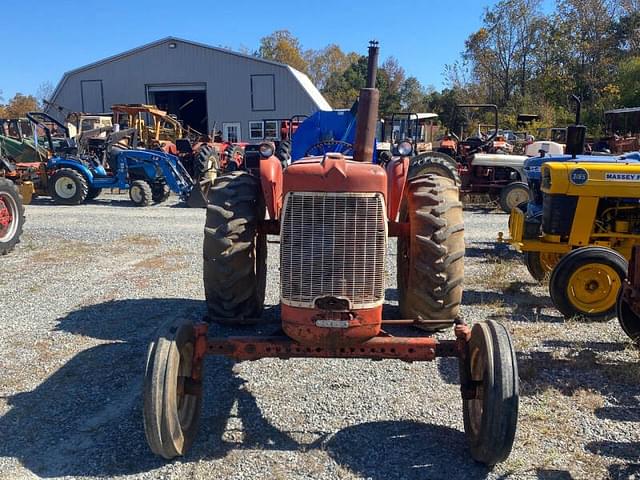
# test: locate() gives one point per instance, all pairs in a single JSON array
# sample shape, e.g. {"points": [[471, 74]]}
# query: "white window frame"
{"points": [[276, 129], [252, 123], [225, 130]]}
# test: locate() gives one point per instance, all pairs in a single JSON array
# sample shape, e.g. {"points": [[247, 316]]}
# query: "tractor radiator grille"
{"points": [[333, 244]]}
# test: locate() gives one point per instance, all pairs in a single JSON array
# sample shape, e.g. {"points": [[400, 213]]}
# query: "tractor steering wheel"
{"points": [[329, 146]]}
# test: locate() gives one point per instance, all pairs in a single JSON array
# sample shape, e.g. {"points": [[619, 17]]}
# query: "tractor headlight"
{"points": [[405, 148], [266, 150]]}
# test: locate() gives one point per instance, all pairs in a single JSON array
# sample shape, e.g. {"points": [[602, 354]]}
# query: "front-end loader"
{"points": [[334, 215]]}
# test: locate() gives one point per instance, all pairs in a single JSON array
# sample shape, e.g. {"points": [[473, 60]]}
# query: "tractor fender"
{"points": [[271, 181], [58, 163], [397, 170]]}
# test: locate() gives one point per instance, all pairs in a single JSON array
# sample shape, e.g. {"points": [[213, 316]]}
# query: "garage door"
{"points": [[92, 96]]}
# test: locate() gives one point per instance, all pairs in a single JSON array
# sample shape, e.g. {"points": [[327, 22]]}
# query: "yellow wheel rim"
{"points": [[593, 288], [549, 260]]}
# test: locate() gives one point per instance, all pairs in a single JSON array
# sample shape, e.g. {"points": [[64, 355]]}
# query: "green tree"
{"points": [[324, 63], [629, 82]]}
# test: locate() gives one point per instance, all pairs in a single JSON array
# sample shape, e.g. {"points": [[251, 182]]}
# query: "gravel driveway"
{"points": [[84, 291]]}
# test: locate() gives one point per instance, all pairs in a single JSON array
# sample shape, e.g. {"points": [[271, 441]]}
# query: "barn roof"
{"points": [[304, 81]]}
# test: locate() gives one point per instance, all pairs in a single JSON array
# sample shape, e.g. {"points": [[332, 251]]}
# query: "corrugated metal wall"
{"points": [[227, 77]]}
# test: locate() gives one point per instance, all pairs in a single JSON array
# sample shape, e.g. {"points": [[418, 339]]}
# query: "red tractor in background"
{"points": [[334, 215], [478, 163], [628, 306]]}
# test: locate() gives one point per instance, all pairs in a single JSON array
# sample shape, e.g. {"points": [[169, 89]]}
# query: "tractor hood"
{"points": [[498, 160], [532, 165]]}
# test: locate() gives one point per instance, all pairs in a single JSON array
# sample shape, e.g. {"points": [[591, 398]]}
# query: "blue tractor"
{"points": [[74, 176]]}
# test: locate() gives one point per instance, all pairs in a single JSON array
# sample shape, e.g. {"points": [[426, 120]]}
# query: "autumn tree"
{"points": [[18, 106], [281, 46], [326, 62]]}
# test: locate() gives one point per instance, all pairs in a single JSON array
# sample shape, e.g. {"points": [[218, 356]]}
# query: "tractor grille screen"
{"points": [[333, 244]]}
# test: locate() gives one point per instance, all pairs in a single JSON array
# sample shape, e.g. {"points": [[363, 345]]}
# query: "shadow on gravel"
{"points": [[491, 252], [404, 450], [86, 420], [523, 306]]}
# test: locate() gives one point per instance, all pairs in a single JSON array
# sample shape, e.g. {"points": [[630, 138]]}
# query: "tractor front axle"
{"points": [[384, 346]]}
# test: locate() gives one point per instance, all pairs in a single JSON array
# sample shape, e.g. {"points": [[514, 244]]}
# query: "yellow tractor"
{"points": [[590, 223]]}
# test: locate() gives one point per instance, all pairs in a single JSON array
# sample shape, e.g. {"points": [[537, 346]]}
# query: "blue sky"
{"points": [[47, 39]]}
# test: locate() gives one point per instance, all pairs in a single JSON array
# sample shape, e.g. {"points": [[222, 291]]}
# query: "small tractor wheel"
{"points": [[160, 192], [585, 283], [435, 163], [629, 320], [206, 163], [140, 193], [235, 254], [431, 259], [234, 157], [93, 193], [283, 153], [513, 195], [541, 264], [490, 419], [68, 187], [11, 216], [172, 399]]}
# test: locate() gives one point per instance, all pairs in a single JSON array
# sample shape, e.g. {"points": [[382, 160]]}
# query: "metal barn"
{"points": [[206, 87]]}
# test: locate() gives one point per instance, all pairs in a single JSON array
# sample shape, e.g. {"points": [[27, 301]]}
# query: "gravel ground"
{"points": [[84, 291]]}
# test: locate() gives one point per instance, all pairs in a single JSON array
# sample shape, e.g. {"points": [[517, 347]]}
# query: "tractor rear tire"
{"points": [[513, 195], [160, 192], [490, 419], [171, 398], [283, 153], [93, 193], [431, 259], [140, 193], [235, 253], [11, 216], [434, 163], [629, 320], [585, 283], [68, 187], [540, 264]]}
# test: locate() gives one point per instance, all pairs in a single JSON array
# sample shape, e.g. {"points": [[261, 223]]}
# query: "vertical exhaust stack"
{"points": [[367, 116]]}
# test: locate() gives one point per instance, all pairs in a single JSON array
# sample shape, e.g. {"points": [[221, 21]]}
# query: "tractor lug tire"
{"points": [[12, 200], [431, 259], [140, 193], [76, 185], [235, 254]]}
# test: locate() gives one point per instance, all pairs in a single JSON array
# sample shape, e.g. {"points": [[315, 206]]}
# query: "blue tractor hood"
{"points": [[532, 165]]}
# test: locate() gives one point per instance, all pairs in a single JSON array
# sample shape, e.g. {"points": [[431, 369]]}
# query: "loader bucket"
{"points": [[198, 196]]}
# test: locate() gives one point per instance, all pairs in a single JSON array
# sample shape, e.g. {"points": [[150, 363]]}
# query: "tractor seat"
{"points": [[112, 160]]}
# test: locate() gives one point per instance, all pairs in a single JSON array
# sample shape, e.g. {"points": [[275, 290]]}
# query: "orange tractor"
{"points": [[334, 215]]}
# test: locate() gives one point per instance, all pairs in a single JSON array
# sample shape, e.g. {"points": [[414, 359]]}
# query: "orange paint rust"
{"points": [[271, 181], [301, 324], [334, 173], [396, 179]]}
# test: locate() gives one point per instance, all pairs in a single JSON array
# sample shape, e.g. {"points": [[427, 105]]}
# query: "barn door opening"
{"points": [[188, 102]]}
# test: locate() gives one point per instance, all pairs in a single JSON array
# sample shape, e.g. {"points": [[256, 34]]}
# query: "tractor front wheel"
{"points": [[431, 258], [11, 216], [629, 320], [513, 195], [160, 192], [235, 253], [172, 398], [585, 283], [140, 193], [93, 193], [68, 187], [491, 415]]}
